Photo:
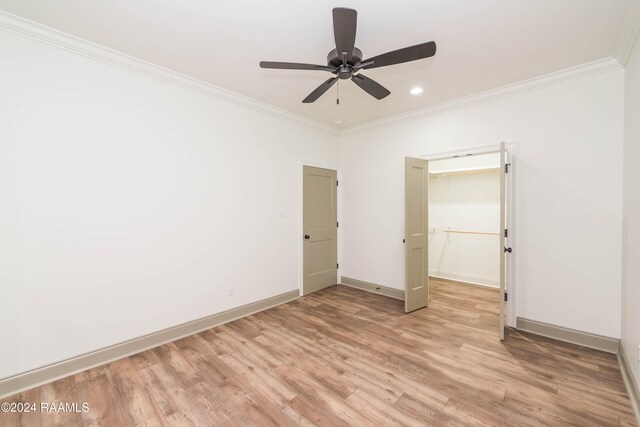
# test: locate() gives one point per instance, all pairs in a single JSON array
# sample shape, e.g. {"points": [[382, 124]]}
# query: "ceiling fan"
{"points": [[345, 61]]}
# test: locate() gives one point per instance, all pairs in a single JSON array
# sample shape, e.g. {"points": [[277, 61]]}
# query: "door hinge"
{"points": [[506, 233], [508, 250], [337, 265], [337, 224], [336, 182], [506, 296], [506, 167]]}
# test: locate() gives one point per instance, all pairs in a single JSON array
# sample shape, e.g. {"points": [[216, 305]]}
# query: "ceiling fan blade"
{"points": [[411, 53], [295, 66], [344, 31], [320, 90], [372, 87]]}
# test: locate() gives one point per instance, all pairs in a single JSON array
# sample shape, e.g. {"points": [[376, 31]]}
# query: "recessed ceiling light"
{"points": [[416, 91]]}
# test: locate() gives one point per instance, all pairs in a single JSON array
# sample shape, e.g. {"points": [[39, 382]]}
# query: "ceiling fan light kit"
{"points": [[345, 61]]}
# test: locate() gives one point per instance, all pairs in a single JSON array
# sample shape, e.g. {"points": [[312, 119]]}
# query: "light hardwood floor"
{"points": [[346, 357]]}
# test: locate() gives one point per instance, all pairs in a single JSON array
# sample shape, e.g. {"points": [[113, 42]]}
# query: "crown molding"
{"points": [[41, 33], [551, 79], [628, 33]]}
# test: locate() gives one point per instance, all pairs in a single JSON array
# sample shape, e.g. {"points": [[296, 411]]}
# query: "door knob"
{"points": [[307, 237]]}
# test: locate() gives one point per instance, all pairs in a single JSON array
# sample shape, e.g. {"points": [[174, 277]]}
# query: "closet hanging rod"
{"points": [[471, 232]]}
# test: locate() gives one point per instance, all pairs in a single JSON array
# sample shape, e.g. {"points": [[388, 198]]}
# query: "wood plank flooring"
{"points": [[343, 357]]}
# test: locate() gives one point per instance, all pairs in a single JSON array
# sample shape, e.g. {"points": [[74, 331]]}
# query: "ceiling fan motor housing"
{"points": [[344, 71]]}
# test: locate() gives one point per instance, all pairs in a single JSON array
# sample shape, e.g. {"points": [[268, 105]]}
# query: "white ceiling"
{"points": [[481, 44]]}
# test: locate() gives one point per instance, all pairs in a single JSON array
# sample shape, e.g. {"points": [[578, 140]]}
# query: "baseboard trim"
{"points": [[462, 282], [585, 339], [46, 374], [372, 287], [632, 387], [465, 278]]}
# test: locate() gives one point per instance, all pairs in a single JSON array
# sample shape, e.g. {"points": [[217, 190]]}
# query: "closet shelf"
{"points": [[489, 233], [457, 172]]}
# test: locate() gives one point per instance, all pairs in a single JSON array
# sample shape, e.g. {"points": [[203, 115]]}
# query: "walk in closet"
{"points": [[464, 219]]}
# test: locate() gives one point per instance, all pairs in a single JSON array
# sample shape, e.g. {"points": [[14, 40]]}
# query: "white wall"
{"points": [[569, 203], [467, 203], [128, 205], [631, 215]]}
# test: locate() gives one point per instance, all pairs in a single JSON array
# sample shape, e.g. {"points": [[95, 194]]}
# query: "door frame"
{"points": [[512, 193], [300, 218]]}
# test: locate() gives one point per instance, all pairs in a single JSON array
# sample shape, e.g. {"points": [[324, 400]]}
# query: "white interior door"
{"points": [[416, 234]]}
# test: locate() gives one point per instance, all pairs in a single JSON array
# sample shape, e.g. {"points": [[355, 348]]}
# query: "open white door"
{"points": [[504, 249], [416, 234]]}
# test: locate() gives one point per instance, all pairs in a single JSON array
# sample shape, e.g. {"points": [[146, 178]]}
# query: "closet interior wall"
{"points": [[464, 217]]}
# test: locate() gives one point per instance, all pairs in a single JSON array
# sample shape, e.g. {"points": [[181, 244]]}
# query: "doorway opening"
{"points": [[464, 236]]}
